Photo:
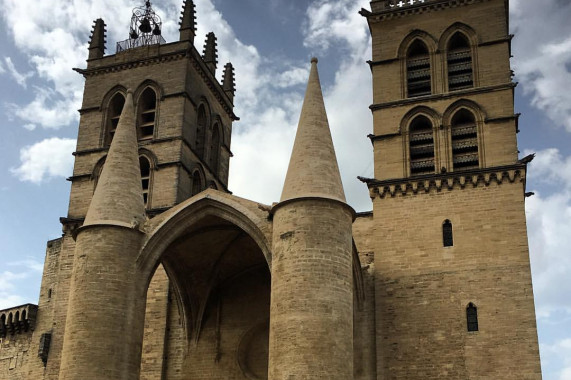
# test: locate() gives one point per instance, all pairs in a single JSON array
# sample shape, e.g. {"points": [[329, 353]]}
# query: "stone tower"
{"points": [[452, 279]]}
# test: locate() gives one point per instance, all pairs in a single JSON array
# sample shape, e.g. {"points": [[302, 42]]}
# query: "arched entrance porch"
{"points": [[209, 319]]}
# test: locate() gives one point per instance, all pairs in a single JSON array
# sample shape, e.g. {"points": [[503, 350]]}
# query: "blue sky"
{"points": [[270, 43]]}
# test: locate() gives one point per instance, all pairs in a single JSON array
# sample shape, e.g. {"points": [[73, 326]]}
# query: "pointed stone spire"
{"points": [[313, 169], [118, 197], [228, 83], [188, 21], [210, 54], [97, 40]]}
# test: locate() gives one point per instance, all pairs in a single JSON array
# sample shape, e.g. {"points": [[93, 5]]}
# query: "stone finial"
{"points": [[188, 21], [210, 54], [313, 170], [228, 83], [118, 197], [97, 40]]}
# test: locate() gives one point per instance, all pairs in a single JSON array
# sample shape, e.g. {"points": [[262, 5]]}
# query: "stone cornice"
{"points": [[445, 181], [179, 54], [447, 95], [390, 13]]}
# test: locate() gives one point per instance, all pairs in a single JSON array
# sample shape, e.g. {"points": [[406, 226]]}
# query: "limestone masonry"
{"points": [[162, 273]]}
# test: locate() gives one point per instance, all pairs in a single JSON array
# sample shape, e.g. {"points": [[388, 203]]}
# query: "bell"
{"points": [[145, 26], [157, 31], [133, 34]]}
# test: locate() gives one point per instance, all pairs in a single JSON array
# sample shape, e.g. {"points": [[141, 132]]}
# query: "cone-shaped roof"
{"points": [[313, 169], [118, 197]]}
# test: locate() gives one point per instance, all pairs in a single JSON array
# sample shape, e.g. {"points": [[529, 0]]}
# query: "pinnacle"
{"points": [[118, 197], [313, 170]]}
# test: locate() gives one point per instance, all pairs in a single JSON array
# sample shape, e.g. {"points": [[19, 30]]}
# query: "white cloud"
{"points": [[2, 69], [16, 75], [559, 351], [543, 55], [549, 223], [46, 159], [9, 296]]}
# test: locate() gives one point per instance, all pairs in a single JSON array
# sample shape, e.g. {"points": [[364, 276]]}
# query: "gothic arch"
{"points": [[479, 116], [147, 99], [211, 212], [417, 34], [110, 111], [96, 173], [197, 174], [470, 34], [430, 113], [149, 83]]}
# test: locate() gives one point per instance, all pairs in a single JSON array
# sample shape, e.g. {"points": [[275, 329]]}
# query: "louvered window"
{"points": [[418, 70], [196, 183], [113, 114], [472, 317], [464, 141], [459, 63], [421, 146], [145, 177], [147, 113]]}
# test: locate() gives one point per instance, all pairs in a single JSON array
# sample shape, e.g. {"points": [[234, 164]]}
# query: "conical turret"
{"points": [[118, 198], [313, 169], [97, 40]]}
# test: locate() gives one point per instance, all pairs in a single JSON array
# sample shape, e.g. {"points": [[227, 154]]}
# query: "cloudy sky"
{"points": [[270, 43]]}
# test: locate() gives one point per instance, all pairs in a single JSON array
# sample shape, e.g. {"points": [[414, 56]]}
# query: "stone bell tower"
{"points": [[453, 281]]}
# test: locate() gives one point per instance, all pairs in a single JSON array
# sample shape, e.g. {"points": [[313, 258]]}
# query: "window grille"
{"points": [[147, 113], [418, 70], [459, 60], [464, 141], [421, 145], [145, 177]]}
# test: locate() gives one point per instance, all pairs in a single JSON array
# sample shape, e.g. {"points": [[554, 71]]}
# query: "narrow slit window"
{"points": [[464, 141], [147, 113], [447, 235], [421, 146], [113, 114], [201, 124], [418, 70], [472, 317], [145, 177], [215, 149], [459, 61]]}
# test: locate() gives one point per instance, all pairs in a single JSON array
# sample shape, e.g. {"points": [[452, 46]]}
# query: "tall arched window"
{"points": [[421, 145], [418, 70], [472, 317], [113, 114], [196, 183], [464, 141], [447, 235], [215, 149], [145, 177], [201, 125], [147, 107], [459, 63]]}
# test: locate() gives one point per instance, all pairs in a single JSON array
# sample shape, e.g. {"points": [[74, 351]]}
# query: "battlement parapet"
{"points": [[18, 319]]}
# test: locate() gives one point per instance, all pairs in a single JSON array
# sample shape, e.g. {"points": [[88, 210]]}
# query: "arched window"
{"points": [[459, 63], [421, 146], [113, 114], [196, 183], [418, 70], [145, 177], [447, 235], [472, 317], [215, 149], [147, 111], [464, 141], [201, 124]]}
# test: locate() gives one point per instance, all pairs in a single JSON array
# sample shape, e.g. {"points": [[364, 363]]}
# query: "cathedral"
{"points": [[163, 273]]}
